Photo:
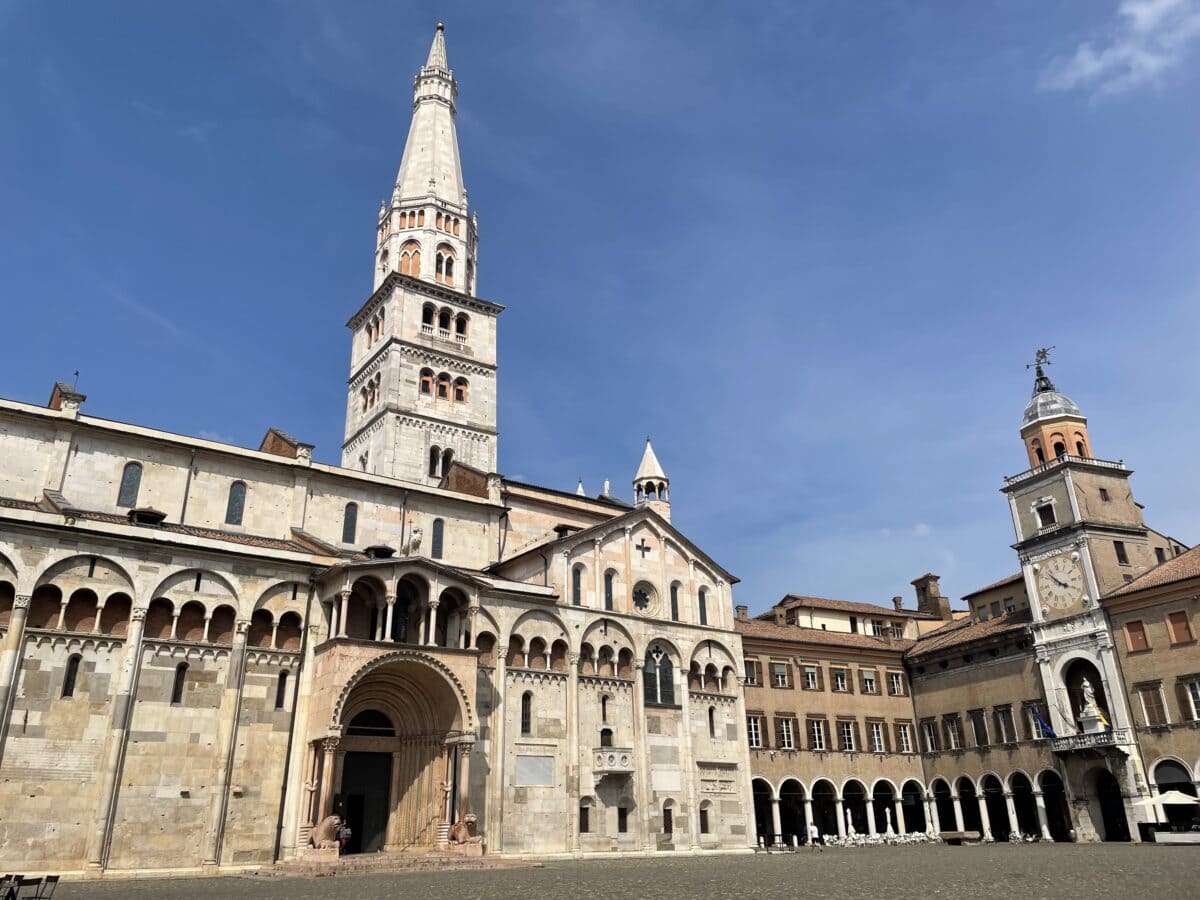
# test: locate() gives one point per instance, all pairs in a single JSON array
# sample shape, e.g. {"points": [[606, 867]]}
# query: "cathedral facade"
{"points": [[207, 651]]}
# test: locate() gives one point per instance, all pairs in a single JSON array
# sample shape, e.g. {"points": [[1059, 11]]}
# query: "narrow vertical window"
{"points": [[604, 708], [237, 503], [704, 820], [437, 538], [674, 603], [703, 607], [68, 689], [712, 721], [435, 457], [281, 690], [527, 714], [668, 820], [584, 824], [131, 482], [349, 523], [606, 737], [622, 819], [608, 591], [177, 686], [577, 586]]}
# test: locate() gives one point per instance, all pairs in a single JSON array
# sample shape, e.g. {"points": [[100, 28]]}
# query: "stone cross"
{"points": [[643, 548]]}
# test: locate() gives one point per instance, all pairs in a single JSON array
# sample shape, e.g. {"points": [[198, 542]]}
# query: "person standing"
{"points": [[815, 841]]}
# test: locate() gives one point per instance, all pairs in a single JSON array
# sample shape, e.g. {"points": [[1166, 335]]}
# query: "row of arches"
{"points": [[996, 809], [374, 327], [446, 320], [370, 392], [650, 490], [443, 387], [1061, 445], [415, 218], [410, 261], [403, 613], [643, 598], [440, 459]]}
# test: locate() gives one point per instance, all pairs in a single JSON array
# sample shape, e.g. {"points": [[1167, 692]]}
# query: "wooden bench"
{"points": [[958, 838]]}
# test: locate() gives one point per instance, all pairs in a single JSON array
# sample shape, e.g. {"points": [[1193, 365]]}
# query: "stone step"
{"points": [[383, 863]]}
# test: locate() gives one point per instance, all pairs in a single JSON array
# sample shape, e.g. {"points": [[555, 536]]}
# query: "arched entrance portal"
{"points": [[402, 744], [791, 812], [1170, 775], [1115, 827], [912, 799], [824, 797], [763, 822], [1054, 796]]}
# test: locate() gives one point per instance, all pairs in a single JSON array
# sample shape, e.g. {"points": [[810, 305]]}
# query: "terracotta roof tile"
{"points": [[854, 606], [966, 630], [1011, 579], [760, 629], [1185, 565]]}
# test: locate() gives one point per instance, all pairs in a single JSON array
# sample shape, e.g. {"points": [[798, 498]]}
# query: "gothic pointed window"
{"points": [[131, 482], [236, 504], [437, 539], [349, 523], [658, 677], [444, 269]]}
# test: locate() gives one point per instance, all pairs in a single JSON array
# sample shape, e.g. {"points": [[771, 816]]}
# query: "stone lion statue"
{"points": [[414, 542], [463, 831], [324, 835]]}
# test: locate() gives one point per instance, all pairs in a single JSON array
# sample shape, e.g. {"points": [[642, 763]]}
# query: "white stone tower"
{"points": [[422, 388], [651, 487]]}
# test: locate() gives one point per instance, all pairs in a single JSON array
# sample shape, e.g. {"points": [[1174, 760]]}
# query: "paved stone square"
{"points": [[1028, 872]]}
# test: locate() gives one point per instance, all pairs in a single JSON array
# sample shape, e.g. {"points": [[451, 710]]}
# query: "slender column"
{"points": [[174, 626], [776, 825], [841, 816], [334, 606], [390, 600], [472, 631], [99, 613], [1013, 824], [447, 781], [274, 635], [808, 815], [207, 620], [958, 817], [62, 614], [985, 819], [100, 835], [10, 657], [574, 788], [380, 617], [328, 748], [302, 751], [935, 823], [1043, 821], [431, 637], [639, 740], [689, 767], [226, 744], [901, 825], [464, 767], [344, 609], [393, 826], [499, 759], [870, 804]]}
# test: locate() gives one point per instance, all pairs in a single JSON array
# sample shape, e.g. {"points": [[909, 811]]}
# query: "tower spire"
{"points": [[437, 50], [651, 487]]}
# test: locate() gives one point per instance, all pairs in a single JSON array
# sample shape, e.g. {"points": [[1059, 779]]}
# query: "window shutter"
{"points": [[849, 682], [858, 744], [887, 739], [820, 678], [791, 678], [778, 731], [899, 745]]}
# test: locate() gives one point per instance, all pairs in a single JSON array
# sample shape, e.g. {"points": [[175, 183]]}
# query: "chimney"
{"points": [[780, 615], [930, 599], [742, 612], [898, 602]]}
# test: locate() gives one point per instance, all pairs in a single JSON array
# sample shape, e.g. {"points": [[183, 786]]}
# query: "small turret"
{"points": [[651, 486], [1053, 425]]}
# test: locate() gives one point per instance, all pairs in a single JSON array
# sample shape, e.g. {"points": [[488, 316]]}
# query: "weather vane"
{"points": [[1041, 358]]}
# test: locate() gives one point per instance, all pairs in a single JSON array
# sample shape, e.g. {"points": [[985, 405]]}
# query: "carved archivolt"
{"points": [[399, 656]]}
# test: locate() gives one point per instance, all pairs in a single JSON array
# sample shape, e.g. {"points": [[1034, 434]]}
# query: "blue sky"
{"points": [[808, 247]]}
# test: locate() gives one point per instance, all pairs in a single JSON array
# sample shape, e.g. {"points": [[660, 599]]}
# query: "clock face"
{"points": [[1060, 582]]}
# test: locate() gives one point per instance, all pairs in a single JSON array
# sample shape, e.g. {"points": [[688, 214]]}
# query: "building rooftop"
{"points": [[792, 601], [966, 630], [1003, 582], [1185, 565], [759, 629]]}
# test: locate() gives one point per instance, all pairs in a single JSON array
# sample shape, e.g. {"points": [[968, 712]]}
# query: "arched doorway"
{"points": [[883, 807], [912, 801], [944, 803], [825, 807], [401, 742], [763, 822], [997, 809], [791, 812], [854, 806], [1170, 775], [969, 801], [1024, 804], [1114, 825], [1054, 797]]}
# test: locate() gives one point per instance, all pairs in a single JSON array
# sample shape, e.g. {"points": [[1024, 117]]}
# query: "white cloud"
{"points": [[1147, 39]]}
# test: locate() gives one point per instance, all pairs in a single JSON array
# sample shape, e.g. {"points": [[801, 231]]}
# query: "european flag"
{"points": [[1043, 724]]}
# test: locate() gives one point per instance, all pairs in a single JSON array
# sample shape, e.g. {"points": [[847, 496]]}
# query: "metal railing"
{"points": [[1060, 460]]}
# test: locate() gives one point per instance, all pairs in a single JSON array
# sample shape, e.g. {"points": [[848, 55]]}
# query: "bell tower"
{"points": [[651, 486], [422, 387]]}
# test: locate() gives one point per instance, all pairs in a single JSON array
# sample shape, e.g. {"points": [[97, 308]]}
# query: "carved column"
{"points": [[574, 783], [226, 744], [100, 836], [464, 773], [343, 612], [390, 600], [296, 815], [329, 748], [1043, 821], [431, 637], [10, 657]]}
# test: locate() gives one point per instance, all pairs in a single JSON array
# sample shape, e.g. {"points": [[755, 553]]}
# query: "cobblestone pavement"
{"points": [[1055, 872]]}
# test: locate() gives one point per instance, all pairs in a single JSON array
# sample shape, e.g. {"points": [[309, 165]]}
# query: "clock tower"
{"points": [[1079, 535]]}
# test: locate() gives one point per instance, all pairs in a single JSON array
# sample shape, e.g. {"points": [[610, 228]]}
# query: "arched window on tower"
{"points": [[426, 381], [68, 689], [443, 386], [236, 505], [606, 737], [428, 314], [349, 523], [131, 482], [460, 390], [420, 217], [447, 458], [445, 320], [1060, 449], [437, 539], [444, 269], [577, 585], [1038, 453], [1080, 446], [438, 222], [435, 460], [460, 324], [177, 685], [410, 259]]}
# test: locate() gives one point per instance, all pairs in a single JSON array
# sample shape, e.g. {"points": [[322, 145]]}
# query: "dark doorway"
{"points": [[1025, 805], [365, 784], [763, 819], [912, 799], [968, 800], [791, 813], [1058, 817], [1112, 807], [825, 808]]}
